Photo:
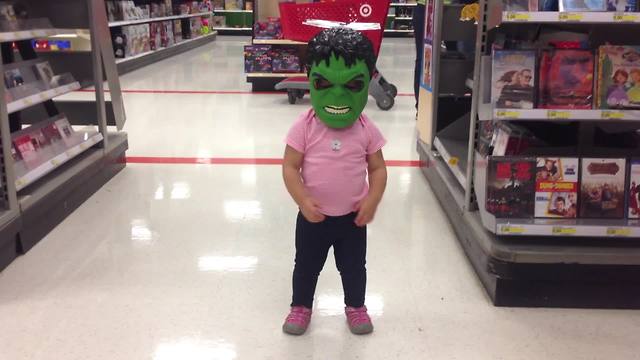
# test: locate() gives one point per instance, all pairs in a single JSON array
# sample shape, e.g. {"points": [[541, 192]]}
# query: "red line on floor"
{"points": [[236, 161], [201, 92]]}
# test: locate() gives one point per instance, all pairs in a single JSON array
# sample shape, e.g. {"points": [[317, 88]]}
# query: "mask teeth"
{"points": [[337, 110]]}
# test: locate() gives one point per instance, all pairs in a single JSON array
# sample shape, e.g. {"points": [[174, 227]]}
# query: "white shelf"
{"points": [[454, 154], [233, 11], [403, 4], [569, 17], [403, 18], [398, 31], [28, 101], [568, 227], [231, 29], [277, 42], [58, 155], [119, 61], [275, 75], [165, 18], [566, 114], [27, 34]]}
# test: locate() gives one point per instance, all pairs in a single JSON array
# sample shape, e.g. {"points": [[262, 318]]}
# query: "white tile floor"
{"points": [[193, 262]]}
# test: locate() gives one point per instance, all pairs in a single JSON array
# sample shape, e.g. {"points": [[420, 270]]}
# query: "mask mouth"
{"points": [[337, 110]]}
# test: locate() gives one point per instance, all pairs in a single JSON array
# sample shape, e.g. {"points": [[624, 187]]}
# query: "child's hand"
{"points": [[309, 209], [366, 210]]}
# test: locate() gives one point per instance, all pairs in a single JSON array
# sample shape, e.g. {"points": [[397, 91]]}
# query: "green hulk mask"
{"points": [[339, 92], [340, 63]]}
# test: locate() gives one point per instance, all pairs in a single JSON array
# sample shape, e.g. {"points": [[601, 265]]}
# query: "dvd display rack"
{"points": [[145, 32], [582, 260], [55, 153]]}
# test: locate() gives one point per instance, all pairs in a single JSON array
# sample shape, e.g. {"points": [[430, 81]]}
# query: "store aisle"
{"points": [[193, 262]]}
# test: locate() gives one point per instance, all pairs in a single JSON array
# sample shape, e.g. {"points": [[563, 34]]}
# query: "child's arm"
{"points": [[377, 183], [292, 180]]}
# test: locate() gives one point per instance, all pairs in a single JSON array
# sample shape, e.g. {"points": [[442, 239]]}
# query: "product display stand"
{"points": [[263, 81], [238, 22], [41, 190], [530, 262], [400, 26]]}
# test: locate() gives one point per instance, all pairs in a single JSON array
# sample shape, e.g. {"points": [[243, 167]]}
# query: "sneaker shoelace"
{"points": [[358, 316]]}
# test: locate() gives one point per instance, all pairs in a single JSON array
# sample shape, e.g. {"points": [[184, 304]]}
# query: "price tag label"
{"points": [[608, 115], [563, 230], [618, 231], [510, 229], [38, 33], [453, 161], [83, 146], [20, 183], [43, 97], [625, 17], [518, 16], [569, 16], [28, 102], [508, 114], [55, 162], [556, 114]]}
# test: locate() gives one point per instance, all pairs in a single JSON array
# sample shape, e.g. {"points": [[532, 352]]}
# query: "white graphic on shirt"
{"points": [[336, 145]]}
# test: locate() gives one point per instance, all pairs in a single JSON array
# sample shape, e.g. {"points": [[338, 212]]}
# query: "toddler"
{"points": [[330, 151]]}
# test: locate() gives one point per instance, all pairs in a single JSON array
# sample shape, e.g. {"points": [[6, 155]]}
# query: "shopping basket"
{"points": [[294, 16], [296, 22]]}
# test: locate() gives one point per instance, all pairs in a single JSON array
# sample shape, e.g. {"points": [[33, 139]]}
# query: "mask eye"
{"points": [[355, 85], [321, 84]]}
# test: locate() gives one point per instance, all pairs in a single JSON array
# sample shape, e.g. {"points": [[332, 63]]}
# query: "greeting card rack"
{"points": [[593, 263], [56, 151]]}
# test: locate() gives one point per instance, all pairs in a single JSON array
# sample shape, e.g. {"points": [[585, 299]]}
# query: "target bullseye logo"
{"points": [[365, 10]]}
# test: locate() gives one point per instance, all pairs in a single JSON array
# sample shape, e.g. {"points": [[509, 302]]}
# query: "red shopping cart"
{"points": [[301, 22]]}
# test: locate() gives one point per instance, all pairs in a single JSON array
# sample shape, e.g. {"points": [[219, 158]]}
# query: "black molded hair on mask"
{"points": [[342, 42]]}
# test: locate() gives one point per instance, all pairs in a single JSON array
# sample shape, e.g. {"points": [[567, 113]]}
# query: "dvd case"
{"points": [[602, 188], [511, 187], [44, 72], [513, 79], [520, 5], [557, 187], [566, 79], [633, 196], [618, 77], [622, 5], [583, 5]]}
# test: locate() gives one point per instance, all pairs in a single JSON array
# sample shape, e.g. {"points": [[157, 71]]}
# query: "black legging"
{"points": [[313, 242], [418, 31]]}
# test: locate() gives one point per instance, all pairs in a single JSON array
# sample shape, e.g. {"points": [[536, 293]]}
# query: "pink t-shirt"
{"points": [[334, 169]]}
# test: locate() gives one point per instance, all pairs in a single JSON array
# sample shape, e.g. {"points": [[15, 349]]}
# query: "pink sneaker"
{"points": [[297, 321], [358, 320]]}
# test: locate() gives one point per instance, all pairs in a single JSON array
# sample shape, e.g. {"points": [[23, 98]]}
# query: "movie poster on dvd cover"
{"points": [[513, 79], [602, 188], [618, 77], [511, 187], [566, 79], [557, 187]]}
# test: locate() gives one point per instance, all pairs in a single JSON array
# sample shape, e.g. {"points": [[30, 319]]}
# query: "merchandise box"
{"points": [[511, 187], [257, 58], [602, 188], [622, 5], [520, 5], [583, 5], [557, 187]]}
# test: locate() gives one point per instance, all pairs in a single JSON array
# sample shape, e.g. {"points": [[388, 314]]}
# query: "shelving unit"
{"points": [[526, 262], [405, 19], [130, 63], [150, 20], [237, 22], [38, 195], [135, 62]]}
